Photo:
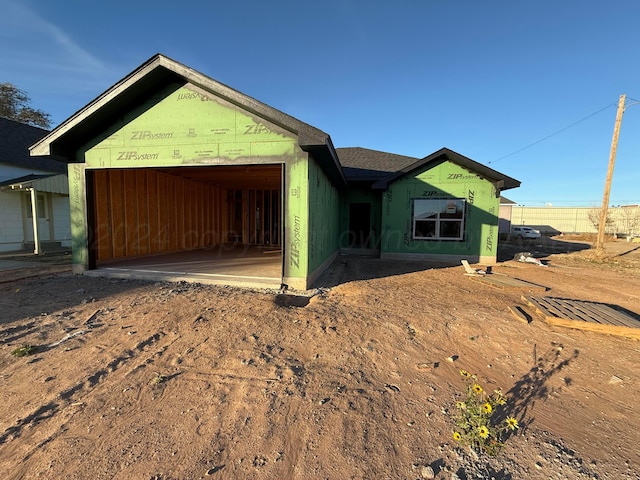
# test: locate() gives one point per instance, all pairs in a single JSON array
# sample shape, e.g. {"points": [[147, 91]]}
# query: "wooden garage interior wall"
{"points": [[141, 211]]}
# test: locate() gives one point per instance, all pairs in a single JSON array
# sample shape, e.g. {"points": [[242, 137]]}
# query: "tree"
{"points": [[14, 105], [594, 218], [629, 219]]}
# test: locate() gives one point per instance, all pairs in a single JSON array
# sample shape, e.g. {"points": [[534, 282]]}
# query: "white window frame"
{"points": [[435, 211], [41, 208]]}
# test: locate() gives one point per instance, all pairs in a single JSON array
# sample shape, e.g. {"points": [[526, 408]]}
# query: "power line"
{"points": [[553, 134]]}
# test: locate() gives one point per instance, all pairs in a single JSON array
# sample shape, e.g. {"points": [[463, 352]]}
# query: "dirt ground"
{"points": [[159, 381]]}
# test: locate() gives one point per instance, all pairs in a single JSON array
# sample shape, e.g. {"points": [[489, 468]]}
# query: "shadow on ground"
{"points": [[353, 268], [539, 247]]}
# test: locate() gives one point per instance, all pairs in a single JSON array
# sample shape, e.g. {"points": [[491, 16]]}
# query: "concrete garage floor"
{"points": [[246, 266]]}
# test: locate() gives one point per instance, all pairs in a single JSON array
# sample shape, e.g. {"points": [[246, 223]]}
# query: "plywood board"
{"points": [[504, 281], [585, 315], [116, 204], [142, 208], [154, 212], [103, 244]]}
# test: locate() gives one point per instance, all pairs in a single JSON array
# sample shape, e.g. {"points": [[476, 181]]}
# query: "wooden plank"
{"points": [[163, 214], [206, 216], [215, 214], [585, 311], [245, 217], [154, 212], [627, 332], [468, 269], [614, 316], [562, 312], [542, 308], [558, 309], [503, 282], [520, 314], [118, 222], [130, 213], [202, 210], [179, 213], [104, 246], [142, 205], [224, 211], [172, 213], [189, 201]]}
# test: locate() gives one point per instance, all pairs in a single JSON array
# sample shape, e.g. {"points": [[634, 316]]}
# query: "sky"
{"points": [[528, 88]]}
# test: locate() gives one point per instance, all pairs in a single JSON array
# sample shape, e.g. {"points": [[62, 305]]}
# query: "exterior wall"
{"points": [[357, 194], [445, 180], [296, 217], [61, 219], [78, 213], [16, 227], [324, 225], [11, 229], [505, 218], [185, 125], [554, 220]]}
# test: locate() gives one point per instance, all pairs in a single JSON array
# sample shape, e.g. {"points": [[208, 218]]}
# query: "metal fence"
{"points": [[623, 220]]}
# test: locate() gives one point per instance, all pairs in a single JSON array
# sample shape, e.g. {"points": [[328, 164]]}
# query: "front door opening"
{"points": [[360, 225]]}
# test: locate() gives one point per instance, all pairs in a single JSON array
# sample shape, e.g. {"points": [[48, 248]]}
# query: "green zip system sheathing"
{"points": [[445, 180], [186, 126], [324, 226]]}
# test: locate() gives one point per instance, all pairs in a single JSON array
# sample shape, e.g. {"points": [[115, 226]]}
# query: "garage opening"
{"points": [[211, 224]]}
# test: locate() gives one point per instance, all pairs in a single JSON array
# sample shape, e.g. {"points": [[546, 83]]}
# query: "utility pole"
{"points": [[607, 183]]}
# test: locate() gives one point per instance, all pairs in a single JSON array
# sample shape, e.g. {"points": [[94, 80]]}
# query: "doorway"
{"points": [[44, 218], [360, 225]]}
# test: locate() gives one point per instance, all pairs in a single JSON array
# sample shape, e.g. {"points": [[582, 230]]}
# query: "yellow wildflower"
{"points": [[483, 432], [499, 397], [456, 436], [461, 405], [464, 373], [487, 408], [477, 388], [512, 423]]}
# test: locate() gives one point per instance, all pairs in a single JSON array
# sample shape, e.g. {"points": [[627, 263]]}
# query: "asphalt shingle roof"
{"points": [[362, 164], [15, 139]]}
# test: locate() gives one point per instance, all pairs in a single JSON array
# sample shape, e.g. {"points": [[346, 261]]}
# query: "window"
{"points": [[438, 218], [41, 206]]}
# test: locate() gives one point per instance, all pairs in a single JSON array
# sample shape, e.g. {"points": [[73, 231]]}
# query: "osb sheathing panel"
{"points": [[142, 211]]}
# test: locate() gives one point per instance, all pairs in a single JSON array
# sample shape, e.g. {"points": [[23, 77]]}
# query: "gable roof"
{"points": [[151, 77], [15, 138], [504, 182], [364, 165]]}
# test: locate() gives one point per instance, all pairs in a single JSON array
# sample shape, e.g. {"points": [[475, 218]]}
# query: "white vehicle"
{"points": [[525, 232]]}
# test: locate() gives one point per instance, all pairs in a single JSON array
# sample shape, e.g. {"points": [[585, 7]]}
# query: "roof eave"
{"points": [[502, 182], [327, 154], [308, 134]]}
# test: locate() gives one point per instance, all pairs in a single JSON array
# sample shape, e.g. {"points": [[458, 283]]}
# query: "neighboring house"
{"points": [[506, 211], [170, 160], [27, 181]]}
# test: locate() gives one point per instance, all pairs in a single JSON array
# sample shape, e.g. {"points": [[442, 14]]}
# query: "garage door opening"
{"points": [[214, 224]]}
